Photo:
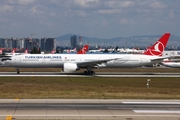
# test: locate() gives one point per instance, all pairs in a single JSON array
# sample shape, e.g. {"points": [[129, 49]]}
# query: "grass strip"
{"points": [[139, 69], [88, 87]]}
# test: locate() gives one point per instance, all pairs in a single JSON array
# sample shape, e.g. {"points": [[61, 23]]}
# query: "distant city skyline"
{"points": [[72, 41], [132, 41], [93, 18], [22, 44]]}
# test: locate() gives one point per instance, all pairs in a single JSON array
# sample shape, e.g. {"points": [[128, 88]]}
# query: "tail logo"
{"points": [[158, 49]]}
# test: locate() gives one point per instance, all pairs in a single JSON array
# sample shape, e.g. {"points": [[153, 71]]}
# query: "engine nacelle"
{"points": [[70, 67]]}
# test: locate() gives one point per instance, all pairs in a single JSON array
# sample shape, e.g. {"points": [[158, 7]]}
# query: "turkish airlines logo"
{"points": [[158, 49]]}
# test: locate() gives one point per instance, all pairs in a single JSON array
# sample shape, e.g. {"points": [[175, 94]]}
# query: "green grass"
{"points": [[89, 87], [150, 69]]}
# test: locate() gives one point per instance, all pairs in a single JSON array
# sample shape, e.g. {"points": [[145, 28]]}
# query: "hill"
{"points": [[133, 41]]}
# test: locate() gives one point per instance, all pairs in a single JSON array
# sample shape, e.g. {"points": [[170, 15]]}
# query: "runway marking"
{"points": [[151, 103], [132, 115], [156, 111], [9, 117]]}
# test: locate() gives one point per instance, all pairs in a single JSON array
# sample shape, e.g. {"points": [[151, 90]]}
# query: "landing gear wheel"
{"points": [[89, 72], [85, 72], [92, 72]]}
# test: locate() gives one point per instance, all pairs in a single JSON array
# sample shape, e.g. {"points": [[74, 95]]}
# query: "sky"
{"points": [[90, 18]]}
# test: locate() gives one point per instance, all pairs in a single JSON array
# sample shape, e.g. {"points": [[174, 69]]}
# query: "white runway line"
{"points": [[157, 111], [88, 115], [171, 103]]}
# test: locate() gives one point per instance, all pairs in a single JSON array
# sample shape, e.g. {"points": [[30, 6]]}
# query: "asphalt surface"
{"points": [[94, 109]]}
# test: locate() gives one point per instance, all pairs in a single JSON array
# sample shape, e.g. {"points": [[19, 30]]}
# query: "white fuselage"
{"points": [[57, 60]]}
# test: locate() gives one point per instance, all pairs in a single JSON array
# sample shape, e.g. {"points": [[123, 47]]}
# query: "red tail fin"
{"points": [[84, 50], [1, 51], [53, 51], [26, 51], [14, 50], [158, 48]]}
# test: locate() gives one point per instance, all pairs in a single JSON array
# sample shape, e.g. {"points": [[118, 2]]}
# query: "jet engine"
{"points": [[70, 67]]}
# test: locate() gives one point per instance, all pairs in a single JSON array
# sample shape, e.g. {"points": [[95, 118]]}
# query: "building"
{"points": [[2, 40], [21, 44], [28, 44], [73, 41], [171, 53], [43, 44], [48, 44]]}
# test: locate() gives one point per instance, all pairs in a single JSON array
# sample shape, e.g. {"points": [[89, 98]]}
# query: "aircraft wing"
{"points": [[160, 59], [94, 63]]}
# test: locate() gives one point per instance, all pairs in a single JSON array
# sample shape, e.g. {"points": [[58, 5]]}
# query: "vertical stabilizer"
{"points": [[83, 50], [158, 48], [26, 51]]}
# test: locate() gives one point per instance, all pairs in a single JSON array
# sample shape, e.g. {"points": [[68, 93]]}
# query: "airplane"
{"points": [[13, 52], [171, 63], [1, 51], [7, 55], [98, 50], [107, 50], [73, 62], [83, 50], [53, 51], [26, 51], [69, 50], [116, 49]]}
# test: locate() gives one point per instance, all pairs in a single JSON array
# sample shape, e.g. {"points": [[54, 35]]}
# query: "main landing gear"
{"points": [[89, 71]]}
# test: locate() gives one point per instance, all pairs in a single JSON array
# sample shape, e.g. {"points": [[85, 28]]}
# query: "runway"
{"points": [[98, 74], [94, 109]]}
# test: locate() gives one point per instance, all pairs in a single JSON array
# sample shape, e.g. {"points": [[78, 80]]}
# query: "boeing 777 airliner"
{"points": [[73, 62], [171, 63]]}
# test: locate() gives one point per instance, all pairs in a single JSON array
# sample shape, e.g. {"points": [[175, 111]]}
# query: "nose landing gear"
{"points": [[17, 69]]}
